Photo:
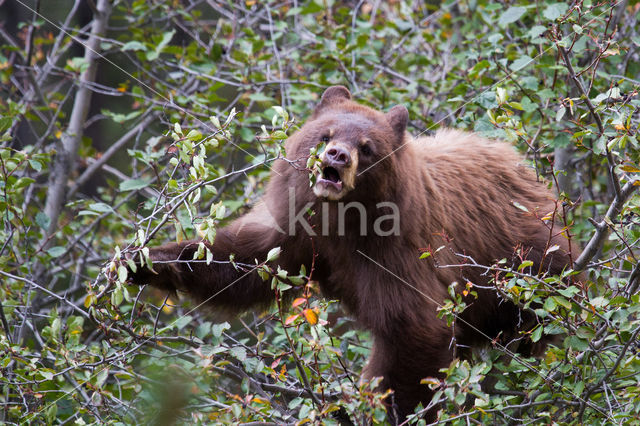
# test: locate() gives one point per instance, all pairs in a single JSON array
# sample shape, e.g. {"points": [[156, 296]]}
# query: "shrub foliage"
{"points": [[125, 124]]}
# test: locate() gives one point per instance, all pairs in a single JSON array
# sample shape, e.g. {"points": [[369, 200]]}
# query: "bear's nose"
{"points": [[338, 156]]}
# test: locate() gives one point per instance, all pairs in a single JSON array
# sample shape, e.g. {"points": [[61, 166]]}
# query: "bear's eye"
{"points": [[325, 138], [365, 150]]}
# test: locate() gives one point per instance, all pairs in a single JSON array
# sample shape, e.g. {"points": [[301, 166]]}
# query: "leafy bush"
{"points": [[125, 124]]}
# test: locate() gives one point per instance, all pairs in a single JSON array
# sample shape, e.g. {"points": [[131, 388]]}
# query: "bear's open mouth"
{"points": [[331, 174], [330, 179]]}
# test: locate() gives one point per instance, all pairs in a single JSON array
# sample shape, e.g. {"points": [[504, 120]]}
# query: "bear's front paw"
{"points": [[165, 274]]}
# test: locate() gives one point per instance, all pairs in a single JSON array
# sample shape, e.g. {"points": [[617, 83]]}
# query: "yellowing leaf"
{"points": [[291, 319], [430, 381], [548, 216], [311, 316], [611, 52], [299, 301], [89, 300], [168, 307], [424, 255], [629, 169]]}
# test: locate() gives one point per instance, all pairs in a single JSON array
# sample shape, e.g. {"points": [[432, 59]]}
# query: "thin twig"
{"points": [[602, 227], [596, 117]]}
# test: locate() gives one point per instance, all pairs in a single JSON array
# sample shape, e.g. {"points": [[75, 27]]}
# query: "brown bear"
{"points": [[380, 199]]}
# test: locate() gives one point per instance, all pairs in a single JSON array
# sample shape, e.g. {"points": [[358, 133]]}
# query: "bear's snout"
{"points": [[338, 156]]}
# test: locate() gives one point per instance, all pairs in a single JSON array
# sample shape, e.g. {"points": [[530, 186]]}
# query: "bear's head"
{"points": [[357, 139]]}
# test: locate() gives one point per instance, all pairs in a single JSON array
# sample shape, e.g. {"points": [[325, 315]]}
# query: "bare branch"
{"points": [[113, 149], [65, 159], [596, 117], [602, 227]]}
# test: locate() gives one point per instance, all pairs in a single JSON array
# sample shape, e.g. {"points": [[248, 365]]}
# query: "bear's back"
{"points": [[489, 199]]}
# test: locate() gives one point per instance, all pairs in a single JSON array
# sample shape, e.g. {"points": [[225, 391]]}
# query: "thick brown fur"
{"points": [[454, 189]]}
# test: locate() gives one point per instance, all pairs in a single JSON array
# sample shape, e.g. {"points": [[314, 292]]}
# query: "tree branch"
{"points": [[97, 165], [64, 163], [612, 174], [602, 227]]}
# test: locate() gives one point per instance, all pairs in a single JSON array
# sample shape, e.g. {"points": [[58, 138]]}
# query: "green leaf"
{"points": [[549, 304], [238, 352], [132, 265], [537, 334], [194, 135], [102, 377], [585, 333], [43, 220], [555, 10], [46, 374], [133, 45], [576, 343], [536, 31], [511, 15], [521, 63], [56, 251], [116, 296], [279, 135], [36, 165], [562, 140], [77, 64], [121, 118], [259, 97], [134, 184], [5, 123], [519, 206], [23, 182], [525, 264], [181, 322], [51, 413], [122, 273], [569, 291], [282, 286], [101, 207], [166, 38], [220, 212], [559, 300], [528, 105], [273, 254], [218, 329]]}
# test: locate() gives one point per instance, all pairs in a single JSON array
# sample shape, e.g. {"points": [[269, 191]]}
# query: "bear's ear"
{"points": [[336, 93], [398, 116], [333, 95]]}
